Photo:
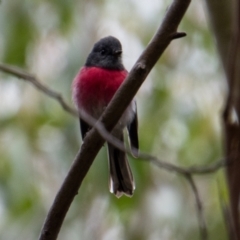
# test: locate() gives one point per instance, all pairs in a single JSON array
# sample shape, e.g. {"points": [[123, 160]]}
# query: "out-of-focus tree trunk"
{"points": [[224, 16], [220, 14]]}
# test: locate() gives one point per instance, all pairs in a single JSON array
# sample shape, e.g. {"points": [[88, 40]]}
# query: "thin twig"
{"points": [[178, 35], [199, 208], [33, 80]]}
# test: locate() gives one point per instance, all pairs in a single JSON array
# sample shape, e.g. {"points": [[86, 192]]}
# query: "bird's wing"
{"points": [[133, 133], [84, 127]]}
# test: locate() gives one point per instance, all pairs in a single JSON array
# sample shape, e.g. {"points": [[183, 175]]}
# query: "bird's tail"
{"points": [[121, 178]]}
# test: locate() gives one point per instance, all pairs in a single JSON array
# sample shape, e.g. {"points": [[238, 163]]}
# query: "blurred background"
{"points": [[180, 106]]}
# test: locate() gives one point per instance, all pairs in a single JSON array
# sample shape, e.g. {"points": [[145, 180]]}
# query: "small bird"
{"points": [[92, 90]]}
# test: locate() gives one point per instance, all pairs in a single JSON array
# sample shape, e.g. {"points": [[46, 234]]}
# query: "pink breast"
{"points": [[93, 88]]}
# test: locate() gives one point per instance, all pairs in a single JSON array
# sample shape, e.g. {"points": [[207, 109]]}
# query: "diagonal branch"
{"points": [[93, 141]]}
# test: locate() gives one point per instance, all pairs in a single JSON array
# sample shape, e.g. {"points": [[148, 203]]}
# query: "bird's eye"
{"points": [[103, 51]]}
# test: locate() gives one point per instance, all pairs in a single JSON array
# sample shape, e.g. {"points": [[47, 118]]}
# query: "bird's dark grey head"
{"points": [[106, 53]]}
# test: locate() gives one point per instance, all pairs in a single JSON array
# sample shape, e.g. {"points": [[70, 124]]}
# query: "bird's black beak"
{"points": [[117, 52]]}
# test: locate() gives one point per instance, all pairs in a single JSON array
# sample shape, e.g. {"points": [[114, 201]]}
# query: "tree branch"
{"points": [[226, 26], [225, 20]]}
